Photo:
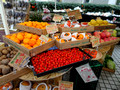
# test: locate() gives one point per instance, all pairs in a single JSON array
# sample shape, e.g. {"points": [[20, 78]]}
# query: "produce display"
{"points": [[73, 24], [98, 22], [109, 63], [27, 85], [7, 86], [26, 39], [35, 24], [93, 53], [56, 58], [67, 37], [6, 54], [104, 36]]}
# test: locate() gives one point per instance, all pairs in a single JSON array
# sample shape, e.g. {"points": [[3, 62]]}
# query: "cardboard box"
{"points": [[31, 52], [105, 27], [72, 44], [77, 29], [110, 42], [13, 75], [31, 29]]}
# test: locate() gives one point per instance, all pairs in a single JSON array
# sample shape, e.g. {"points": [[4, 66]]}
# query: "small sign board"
{"points": [[65, 85], [86, 73], [44, 38], [19, 60], [75, 13], [95, 41], [51, 29], [57, 18]]}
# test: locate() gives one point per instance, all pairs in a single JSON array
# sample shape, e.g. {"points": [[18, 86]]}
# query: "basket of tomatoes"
{"points": [[55, 60]]}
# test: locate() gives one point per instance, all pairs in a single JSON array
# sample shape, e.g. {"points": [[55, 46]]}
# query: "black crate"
{"points": [[78, 81], [84, 61]]}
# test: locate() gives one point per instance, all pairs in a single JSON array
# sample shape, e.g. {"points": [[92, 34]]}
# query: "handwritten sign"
{"points": [[95, 41], [19, 60], [44, 38], [86, 73], [57, 18], [52, 29], [75, 13], [65, 85]]}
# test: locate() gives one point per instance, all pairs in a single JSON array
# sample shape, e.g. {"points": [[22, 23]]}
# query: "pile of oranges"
{"points": [[35, 24], [26, 39]]}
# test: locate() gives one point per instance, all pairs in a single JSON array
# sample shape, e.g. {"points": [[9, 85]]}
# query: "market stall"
{"points": [[40, 52]]}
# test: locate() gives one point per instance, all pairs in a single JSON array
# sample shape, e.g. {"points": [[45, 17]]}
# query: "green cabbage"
{"points": [[111, 64]]}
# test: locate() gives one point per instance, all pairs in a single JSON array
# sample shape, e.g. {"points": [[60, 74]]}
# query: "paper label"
{"points": [[19, 18], [12, 18], [14, 8], [65, 85], [19, 60], [86, 73], [57, 18], [19, 8], [51, 28], [75, 13], [44, 38], [95, 41], [24, 8], [11, 27]]}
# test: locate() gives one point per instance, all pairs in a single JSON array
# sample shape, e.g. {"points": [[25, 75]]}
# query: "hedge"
{"points": [[87, 7]]}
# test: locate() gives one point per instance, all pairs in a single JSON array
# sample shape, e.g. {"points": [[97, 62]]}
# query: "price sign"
{"points": [[65, 85], [51, 28], [86, 73], [75, 13], [95, 41], [19, 61], [44, 38], [57, 18]]}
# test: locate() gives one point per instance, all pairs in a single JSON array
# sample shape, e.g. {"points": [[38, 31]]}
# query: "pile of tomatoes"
{"points": [[93, 53], [56, 58]]}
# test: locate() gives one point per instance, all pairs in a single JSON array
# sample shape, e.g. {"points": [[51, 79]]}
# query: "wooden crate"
{"points": [[72, 44], [113, 26], [31, 29], [112, 42], [31, 52], [107, 69], [77, 29], [13, 75]]}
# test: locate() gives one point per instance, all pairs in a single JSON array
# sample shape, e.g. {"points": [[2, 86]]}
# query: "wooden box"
{"points": [[77, 29], [31, 52], [72, 44], [31, 29], [13, 75], [112, 26]]}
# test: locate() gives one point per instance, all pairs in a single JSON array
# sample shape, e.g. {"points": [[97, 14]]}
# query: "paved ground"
{"points": [[110, 81]]}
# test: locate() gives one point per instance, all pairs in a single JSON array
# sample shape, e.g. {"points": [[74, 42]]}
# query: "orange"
{"points": [[26, 41], [43, 42], [21, 33], [16, 40], [20, 37], [32, 42], [8, 36], [87, 36], [29, 47], [22, 44], [58, 39], [28, 35], [12, 38], [49, 40], [35, 45], [35, 36], [80, 36], [14, 35]]}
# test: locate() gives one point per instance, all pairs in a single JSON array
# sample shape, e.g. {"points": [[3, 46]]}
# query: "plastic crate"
{"points": [[78, 81]]}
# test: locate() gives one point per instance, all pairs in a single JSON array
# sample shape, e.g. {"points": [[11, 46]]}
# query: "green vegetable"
{"points": [[111, 64], [107, 57]]}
